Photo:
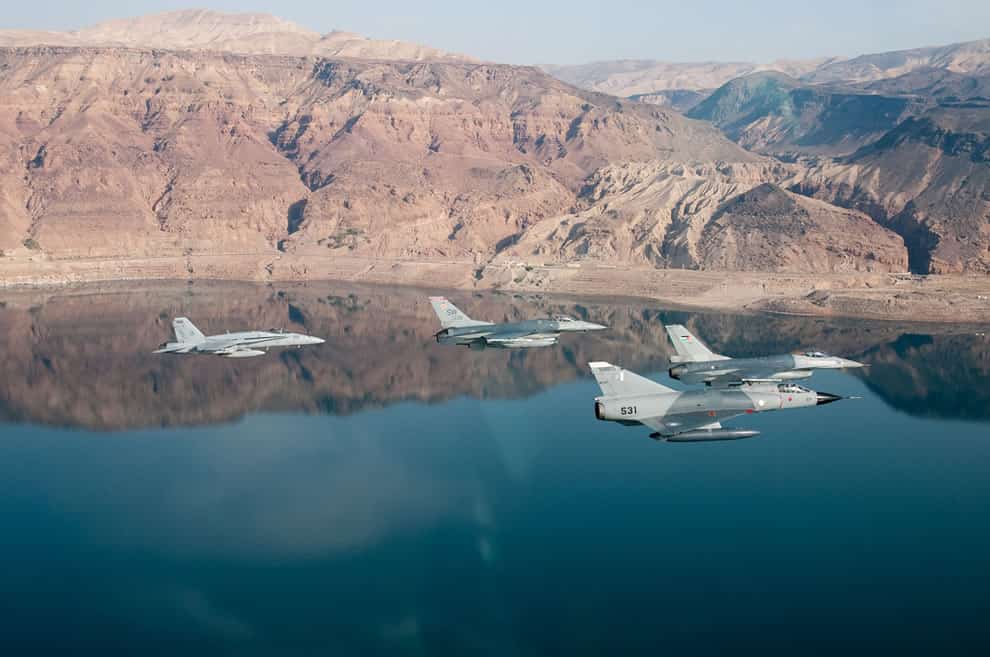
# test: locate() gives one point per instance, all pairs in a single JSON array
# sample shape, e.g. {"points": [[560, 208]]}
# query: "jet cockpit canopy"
{"points": [[791, 388], [815, 354], [562, 318]]}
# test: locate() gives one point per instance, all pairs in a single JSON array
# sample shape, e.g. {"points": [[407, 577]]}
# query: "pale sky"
{"points": [[578, 31]]}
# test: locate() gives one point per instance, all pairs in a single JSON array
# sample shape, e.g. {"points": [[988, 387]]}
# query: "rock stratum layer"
{"points": [[120, 152]]}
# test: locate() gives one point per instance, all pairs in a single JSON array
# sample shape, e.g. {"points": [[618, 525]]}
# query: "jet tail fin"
{"points": [[689, 349], [616, 382], [450, 316], [186, 331]]}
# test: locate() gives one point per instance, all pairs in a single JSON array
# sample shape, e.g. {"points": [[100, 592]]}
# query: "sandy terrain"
{"points": [[876, 296]]}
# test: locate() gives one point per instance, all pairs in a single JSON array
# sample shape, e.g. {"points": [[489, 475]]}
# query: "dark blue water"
{"points": [[340, 501]]}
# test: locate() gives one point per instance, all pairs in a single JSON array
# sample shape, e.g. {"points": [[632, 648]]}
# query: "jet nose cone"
{"points": [[591, 326], [827, 398], [315, 340], [850, 364]]}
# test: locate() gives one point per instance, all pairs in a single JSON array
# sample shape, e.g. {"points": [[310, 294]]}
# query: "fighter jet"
{"points": [[692, 415], [245, 344], [695, 363], [458, 328]]}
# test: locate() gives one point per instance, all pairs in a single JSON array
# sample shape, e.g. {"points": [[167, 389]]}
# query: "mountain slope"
{"points": [[770, 229], [244, 33], [646, 78], [928, 179], [971, 57], [775, 113], [710, 216], [114, 152]]}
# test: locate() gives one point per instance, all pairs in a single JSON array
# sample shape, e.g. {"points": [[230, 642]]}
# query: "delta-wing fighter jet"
{"points": [[696, 363], [691, 415], [244, 344], [458, 328]]}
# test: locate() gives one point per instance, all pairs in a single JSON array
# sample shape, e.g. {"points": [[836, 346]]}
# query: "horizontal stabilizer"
{"points": [[616, 382]]}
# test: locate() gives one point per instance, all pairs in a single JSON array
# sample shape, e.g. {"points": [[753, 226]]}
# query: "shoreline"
{"points": [[943, 299]]}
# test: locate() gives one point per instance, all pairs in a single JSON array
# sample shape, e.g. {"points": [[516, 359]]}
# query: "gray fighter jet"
{"points": [[695, 363], [458, 328], [245, 344], [691, 415]]}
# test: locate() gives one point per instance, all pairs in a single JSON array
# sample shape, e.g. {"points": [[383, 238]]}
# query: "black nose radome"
{"points": [[827, 398]]}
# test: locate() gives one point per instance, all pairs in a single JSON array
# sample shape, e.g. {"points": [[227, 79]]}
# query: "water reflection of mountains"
{"points": [[82, 359]]}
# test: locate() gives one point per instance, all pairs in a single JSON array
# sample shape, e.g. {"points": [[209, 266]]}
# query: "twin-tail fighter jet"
{"points": [[691, 415], [458, 328], [244, 344], [696, 363]]}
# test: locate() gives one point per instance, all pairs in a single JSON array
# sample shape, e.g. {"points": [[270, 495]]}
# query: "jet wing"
{"points": [[238, 351], [517, 337], [742, 376], [673, 424]]}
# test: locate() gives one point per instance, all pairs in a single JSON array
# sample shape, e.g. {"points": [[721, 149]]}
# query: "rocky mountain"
{"points": [[244, 33], [906, 149], [777, 114], [971, 58], [673, 215], [112, 152], [647, 78], [680, 100], [940, 85], [191, 133], [928, 179], [630, 77], [775, 230]]}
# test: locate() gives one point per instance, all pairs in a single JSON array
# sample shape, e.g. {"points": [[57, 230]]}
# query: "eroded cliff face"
{"points": [[770, 229], [708, 217], [928, 180], [775, 114], [112, 152], [135, 153]]}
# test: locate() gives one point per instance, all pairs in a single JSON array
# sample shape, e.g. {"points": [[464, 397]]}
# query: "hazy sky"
{"points": [[556, 31]]}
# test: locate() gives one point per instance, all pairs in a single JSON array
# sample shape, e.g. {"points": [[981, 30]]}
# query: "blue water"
{"points": [[495, 524]]}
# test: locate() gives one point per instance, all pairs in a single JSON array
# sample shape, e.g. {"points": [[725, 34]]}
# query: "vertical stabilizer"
{"points": [[617, 382], [689, 348], [450, 316], [186, 331]]}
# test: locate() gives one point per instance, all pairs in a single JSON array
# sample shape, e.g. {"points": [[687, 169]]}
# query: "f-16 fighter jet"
{"points": [[691, 415], [245, 344], [695, 363], [458, 328]]}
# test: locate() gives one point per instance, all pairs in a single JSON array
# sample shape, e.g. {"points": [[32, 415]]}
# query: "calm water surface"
{"points": [[383, 495]]}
